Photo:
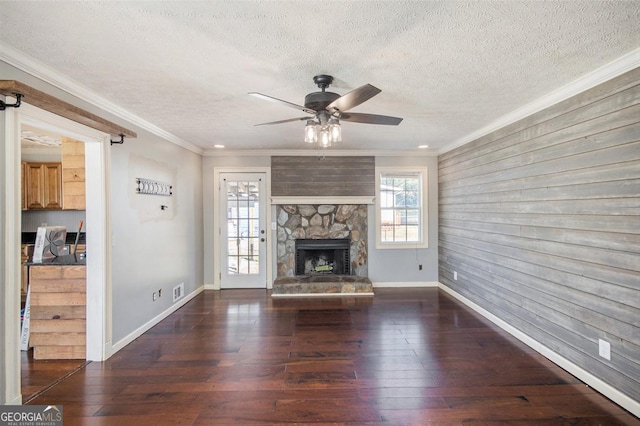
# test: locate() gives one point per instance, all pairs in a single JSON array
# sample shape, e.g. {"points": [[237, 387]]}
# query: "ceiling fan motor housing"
{"points": [[318, 101]]}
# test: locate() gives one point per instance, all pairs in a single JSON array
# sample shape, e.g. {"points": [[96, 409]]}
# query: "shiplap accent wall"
{"points": [[308, 176], [541, 222]]}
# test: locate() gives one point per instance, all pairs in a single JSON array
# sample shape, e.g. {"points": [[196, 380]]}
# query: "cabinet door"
{"points": [[34, 186], [52, 186], [43, 186]]}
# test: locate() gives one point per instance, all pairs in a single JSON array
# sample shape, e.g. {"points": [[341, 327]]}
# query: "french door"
{"points": [[243, 232]]}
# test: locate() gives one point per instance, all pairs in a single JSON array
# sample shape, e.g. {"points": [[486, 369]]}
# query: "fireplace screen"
{"points": [[329, 256]]}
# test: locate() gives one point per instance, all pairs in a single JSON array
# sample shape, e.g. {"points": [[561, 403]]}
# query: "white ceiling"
{"points": [[449, 68], [34, 138]]}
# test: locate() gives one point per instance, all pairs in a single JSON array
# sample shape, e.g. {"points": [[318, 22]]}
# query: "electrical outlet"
{"points": [[419, 267], [160, 293], [604, 349], [155, 296], [455, 275]]}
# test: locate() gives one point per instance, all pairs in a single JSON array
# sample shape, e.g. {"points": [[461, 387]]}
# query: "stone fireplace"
{"points": [[332, 222], [322, 250], [322, 198]]}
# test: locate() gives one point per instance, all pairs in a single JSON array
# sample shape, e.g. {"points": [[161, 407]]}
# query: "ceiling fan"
{"points": [[327, 108]]}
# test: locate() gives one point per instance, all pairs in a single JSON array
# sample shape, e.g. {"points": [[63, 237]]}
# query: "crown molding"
{"points": [[607, 72], [31, 66], [319, 153]]}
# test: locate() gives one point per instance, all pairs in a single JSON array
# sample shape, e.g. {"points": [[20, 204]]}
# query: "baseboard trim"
{"points": [[389, 284], [17, 400], [604, 388], [154, 321]]}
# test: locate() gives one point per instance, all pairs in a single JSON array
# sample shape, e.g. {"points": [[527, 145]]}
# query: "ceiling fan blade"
{"points": [[285, 103], [356, 117], [285, 121], [353, 98]]}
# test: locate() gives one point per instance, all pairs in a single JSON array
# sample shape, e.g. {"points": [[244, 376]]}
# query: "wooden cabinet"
{"points": [[58, 311], [42, 186], [73, 175], [56, 186]]}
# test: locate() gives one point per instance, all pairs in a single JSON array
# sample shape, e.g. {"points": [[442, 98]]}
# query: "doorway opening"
{"points": [[53, 198], [98, 309]]}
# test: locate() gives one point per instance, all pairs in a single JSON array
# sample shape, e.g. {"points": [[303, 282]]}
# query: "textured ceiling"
{"points": [[449, 68]]}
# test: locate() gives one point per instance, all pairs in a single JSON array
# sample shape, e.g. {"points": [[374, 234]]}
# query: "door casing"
{"points": [[97, 159]]}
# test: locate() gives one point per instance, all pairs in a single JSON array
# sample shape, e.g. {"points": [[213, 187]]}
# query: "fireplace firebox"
{"points": [[323, 256]]}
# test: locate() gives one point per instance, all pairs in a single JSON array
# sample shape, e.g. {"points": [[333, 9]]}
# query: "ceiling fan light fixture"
{"points": [[335, 131], [311, 132], [325, 138]]}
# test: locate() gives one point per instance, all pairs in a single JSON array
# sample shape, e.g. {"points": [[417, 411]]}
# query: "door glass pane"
{"points": [[243, 227]]}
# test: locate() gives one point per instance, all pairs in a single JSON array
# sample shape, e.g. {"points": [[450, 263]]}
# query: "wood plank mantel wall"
{"points": [[308, 176], [541, 222]]}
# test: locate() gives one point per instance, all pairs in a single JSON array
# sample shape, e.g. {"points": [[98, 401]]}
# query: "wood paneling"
{"points": [[302, 176], [73, 174], [59, 352], [540, 221], [58, 311]]}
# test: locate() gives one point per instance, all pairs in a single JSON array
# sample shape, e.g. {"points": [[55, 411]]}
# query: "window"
{"points": [[401, 211]]}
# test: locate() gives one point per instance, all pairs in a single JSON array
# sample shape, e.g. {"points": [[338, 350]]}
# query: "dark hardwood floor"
{"points": [[403, 357], [39, 375]]}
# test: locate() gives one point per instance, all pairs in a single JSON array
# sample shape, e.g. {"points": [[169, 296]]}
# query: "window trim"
{"points": [[421, 172]]}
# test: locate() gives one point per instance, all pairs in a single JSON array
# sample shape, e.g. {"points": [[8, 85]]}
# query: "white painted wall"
{"points": [[399, 267], [153, 249]]}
